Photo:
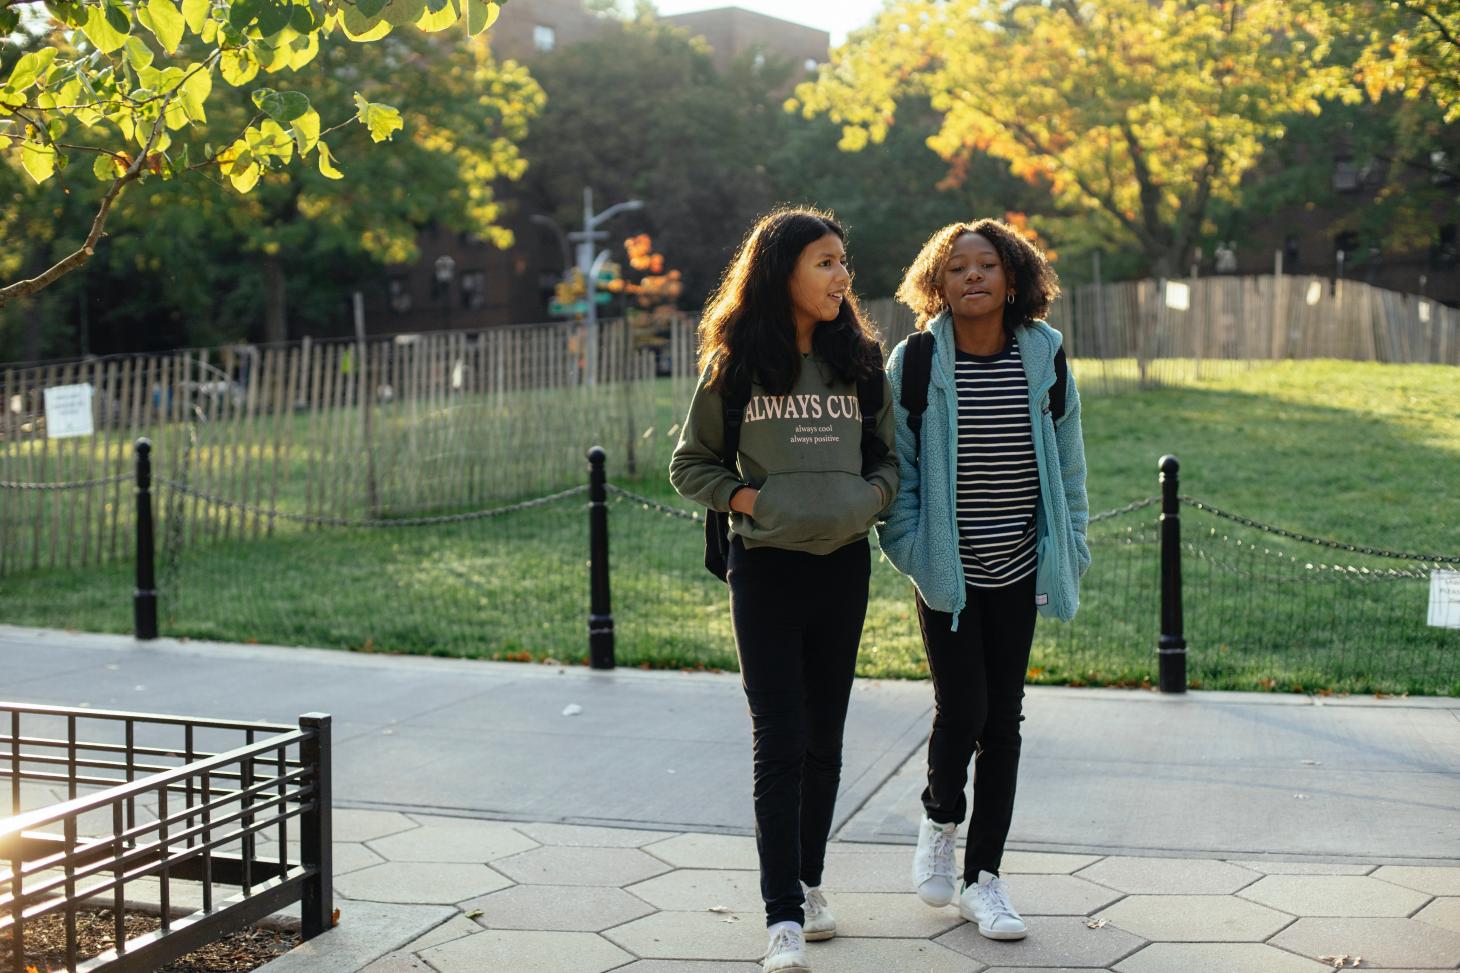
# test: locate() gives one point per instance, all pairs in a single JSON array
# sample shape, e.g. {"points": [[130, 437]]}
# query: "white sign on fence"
{"points": [[1445, 599], [68, 411], [1178, 295]]}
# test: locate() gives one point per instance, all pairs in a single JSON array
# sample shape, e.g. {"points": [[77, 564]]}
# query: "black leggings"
{"points": [[978, 689], [798, 619]]}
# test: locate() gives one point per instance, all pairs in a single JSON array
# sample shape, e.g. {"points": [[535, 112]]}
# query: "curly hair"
{"points": [[1032, 279], [748, 331]]}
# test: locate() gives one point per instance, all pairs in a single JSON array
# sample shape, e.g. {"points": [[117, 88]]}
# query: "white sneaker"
{"points": [[987, 904], [932, 871], [820, 923], [787, 950]]}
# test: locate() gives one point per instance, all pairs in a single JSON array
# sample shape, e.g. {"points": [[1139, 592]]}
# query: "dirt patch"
{"points": [[45, 944]]}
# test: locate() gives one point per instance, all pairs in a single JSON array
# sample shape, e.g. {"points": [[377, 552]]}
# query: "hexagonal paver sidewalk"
{"points": [[553, 898]]}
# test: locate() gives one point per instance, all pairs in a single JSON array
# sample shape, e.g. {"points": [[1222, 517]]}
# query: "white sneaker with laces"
{"points": [[987, 903], [787, 950], [820, 923], [933, 868]]}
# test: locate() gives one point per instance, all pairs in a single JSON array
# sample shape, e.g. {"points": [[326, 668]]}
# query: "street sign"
{"points": [[68, 411]]}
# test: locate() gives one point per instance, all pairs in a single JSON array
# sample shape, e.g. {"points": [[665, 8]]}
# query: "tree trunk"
{"points": [[276, 321]]}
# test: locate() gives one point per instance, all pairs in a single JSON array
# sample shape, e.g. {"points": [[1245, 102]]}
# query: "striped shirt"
{"points": [[998, 477]]}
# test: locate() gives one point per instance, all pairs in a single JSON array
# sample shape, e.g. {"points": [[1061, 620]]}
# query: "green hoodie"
{"points": [[802, 451]]}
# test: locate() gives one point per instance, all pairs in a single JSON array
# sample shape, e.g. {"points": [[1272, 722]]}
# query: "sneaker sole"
{"points": [[1001, 936], [935, 903], [819, 937], [990, 934]]}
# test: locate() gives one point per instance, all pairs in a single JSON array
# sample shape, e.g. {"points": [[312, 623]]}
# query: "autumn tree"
{"points": [[1405, 47], [1137, 113], [122, 91]]}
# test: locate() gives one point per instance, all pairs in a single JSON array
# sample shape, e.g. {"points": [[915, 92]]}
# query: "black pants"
{"points": [[978, 688], [798, 619]]}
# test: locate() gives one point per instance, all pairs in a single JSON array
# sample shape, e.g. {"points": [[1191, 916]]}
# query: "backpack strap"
{"points": [[732, 409], [917, 370], [869, 403], [1061, 380]]}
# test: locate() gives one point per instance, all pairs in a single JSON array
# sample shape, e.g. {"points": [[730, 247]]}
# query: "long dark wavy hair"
{"points": [[748, 332], [1030, 276]]}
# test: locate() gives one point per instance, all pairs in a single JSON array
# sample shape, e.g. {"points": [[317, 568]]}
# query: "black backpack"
{"points": [[917, 368], [717, 523]]}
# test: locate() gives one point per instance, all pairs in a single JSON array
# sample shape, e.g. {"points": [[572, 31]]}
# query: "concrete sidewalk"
{"points": [[1258, 832]]}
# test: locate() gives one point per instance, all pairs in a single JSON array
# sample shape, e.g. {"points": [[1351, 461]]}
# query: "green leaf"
{"points": [[245, 175], [306, 131], [167, 23], [305, 19], [238, 67], [480, 16], [242, 13], [29, 67], [274, 16], [399, 13], [68, 12], [195, 14], [327, 164], [38, 160], [118, 17], [102, 33], [382, 120], [104, 167], [284, 106], [139, 55], [194, 93], [439, 15], [369, 8]]}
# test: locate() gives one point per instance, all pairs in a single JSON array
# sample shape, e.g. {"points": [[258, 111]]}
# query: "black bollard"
{"points": [[144, 597], [600, 611], [1171, 649]]}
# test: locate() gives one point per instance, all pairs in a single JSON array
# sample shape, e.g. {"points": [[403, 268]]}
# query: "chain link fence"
{"points": [[1265, 607]]}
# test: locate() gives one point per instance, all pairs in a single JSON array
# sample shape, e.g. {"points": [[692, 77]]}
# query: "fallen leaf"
{"points": [[474, 913], [1096, 923], [572, 709], [717, 908], [335, 917]]}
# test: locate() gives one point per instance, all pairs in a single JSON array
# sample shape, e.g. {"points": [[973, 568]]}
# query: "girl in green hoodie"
{"points": [[783, 334]]}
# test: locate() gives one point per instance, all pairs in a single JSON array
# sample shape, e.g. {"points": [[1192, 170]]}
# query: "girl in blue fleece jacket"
{"points": [[989, 523]]}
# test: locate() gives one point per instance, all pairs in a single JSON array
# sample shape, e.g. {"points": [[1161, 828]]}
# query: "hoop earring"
{"points": [[1011, 297]]}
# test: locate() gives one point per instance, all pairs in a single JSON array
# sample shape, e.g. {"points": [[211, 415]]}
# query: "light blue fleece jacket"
{"points": [[920, 535]]}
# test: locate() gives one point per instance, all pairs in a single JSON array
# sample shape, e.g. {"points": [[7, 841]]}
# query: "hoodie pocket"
{"points": [[800, 507]]}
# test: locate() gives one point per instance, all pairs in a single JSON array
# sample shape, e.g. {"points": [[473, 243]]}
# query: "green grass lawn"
{"points": [[1360, 453]]}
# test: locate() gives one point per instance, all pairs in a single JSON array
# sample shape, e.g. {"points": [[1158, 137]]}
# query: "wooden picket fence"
{"points": [[337, 429], [430, 423], [1148, 333]]}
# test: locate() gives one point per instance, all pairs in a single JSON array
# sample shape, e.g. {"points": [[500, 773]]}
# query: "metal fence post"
{"points": [[144, 597], [1172, 646], [316, 834], [600, 611]]}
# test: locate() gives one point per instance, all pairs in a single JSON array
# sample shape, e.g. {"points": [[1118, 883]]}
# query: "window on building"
{"points": [[1346, 177], [811, 64], [1442, 169], [1446, 251], [544, 38], [1347, 244], [400, 294], [1290, 252], [473, 288]]}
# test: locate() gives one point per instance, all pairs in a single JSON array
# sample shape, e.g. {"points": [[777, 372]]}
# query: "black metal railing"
{"points": [[175, 799]]}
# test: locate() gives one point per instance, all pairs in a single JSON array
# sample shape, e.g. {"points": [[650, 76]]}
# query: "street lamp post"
{"points": [[445, 270], [590, 264]]}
